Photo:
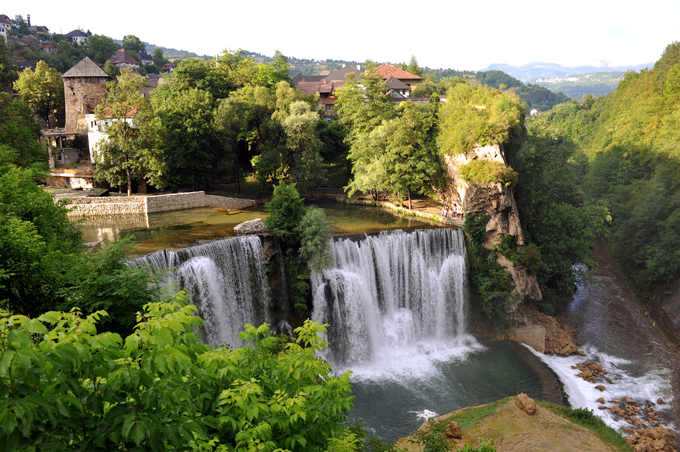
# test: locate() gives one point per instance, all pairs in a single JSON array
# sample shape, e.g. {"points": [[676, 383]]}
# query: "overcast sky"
{"points": [[441, 34]]}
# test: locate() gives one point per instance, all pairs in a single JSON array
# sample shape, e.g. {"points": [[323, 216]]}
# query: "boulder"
{"points": [[454, 431], [600, 400], [600, 387], [525, 403], [660, 401], [256, 226]]}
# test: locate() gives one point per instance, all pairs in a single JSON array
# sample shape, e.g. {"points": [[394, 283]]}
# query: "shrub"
{"points": [[481, 172], [68, 388]]}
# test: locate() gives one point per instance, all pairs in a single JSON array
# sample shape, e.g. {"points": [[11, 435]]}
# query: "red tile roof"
{"points": [[387, 71], [122, 56], [320, 87]]}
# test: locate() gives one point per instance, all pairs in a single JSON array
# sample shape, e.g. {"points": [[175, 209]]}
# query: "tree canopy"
{"points": [[43, 90]]}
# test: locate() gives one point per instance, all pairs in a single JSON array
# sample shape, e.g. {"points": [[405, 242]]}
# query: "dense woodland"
{"points": [[608, 166]]}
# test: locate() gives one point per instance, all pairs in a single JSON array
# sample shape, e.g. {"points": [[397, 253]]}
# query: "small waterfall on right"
{"points": [[393, 294]]}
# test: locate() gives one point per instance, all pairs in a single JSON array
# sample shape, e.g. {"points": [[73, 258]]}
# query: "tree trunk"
{"points": [[129, 176], [410, 204]]}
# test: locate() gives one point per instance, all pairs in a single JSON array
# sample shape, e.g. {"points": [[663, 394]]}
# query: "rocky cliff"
{"points": [[497, 201]]}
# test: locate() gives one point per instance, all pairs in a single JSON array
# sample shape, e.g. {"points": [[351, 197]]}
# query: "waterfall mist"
{"points": [[227, 282], [393, 298]]}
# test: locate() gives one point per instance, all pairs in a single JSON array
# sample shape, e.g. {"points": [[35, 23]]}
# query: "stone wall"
{"points": [[134, 205]]}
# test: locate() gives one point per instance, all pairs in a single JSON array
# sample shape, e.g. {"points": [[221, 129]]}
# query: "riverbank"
{"points": [[519, 427]]}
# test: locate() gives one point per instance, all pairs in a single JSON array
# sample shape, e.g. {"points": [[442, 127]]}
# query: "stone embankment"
{"points": [[136, 205]]}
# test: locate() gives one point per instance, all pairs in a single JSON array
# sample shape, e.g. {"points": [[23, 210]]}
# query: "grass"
{"points": [[468, 418], [587, 419]]}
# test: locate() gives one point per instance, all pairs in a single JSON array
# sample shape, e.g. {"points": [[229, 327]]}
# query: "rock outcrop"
{"points": [[526, 403], [498, 202], [256, 226]]}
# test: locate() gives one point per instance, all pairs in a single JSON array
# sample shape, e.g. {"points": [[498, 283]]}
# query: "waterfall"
{"points": [[227, 282], [392, 291]]}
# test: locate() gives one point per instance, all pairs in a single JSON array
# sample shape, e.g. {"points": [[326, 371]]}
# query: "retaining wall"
{"points": [[135, 205]]}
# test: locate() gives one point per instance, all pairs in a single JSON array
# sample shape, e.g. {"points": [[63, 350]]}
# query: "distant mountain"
{"points": [[535, 71], [577, 86]]}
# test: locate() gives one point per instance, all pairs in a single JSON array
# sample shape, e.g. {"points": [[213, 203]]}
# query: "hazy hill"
{"points": [[537, 70], [577, 86]]}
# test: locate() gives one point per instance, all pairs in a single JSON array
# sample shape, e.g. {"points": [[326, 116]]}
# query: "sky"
{"points": [[462, 35]]}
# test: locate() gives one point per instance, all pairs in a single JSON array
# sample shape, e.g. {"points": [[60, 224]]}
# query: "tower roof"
{"points": [[85, 68]]}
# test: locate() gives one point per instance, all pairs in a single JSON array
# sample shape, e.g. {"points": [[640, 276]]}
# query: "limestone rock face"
{"points": [[498, 202], [252, 227], [526, 403], [454, 431]]}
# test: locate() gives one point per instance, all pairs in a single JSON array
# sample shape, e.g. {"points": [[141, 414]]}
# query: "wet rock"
{"points": [[602, 408], [252, 227], [616, 401], [454, 430], [600, 400], [660, 401], [618, 411], [610, 381], [600, 387], [652, 439], [628, 400], [525, 403], [581, 352]]}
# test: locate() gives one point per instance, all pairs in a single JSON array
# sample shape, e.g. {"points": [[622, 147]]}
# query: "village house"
{"points": [[39, 29], [122, 60], [5, 26], [48, 47], [145, 57], [76, 36], [168, 67], [22, 66], [387, 71], [326, 87]]}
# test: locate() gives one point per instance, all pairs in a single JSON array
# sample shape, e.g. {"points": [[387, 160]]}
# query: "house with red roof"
{"points": [[394, 74], [122, 59]]}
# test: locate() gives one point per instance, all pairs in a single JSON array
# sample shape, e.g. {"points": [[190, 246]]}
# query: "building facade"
{"points": [[84, 89]]}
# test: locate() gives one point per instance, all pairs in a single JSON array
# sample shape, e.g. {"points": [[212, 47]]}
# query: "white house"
{"points": [[5, 26], [96, 132], [122, 59], [77, 36]]}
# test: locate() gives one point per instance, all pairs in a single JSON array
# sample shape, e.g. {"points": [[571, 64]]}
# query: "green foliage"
{"points": [[432, 438], [496, 78], [36, 238], [469, 417], [481, 172], [127, 150], [490, 278], [586, 418], [477, 115], [484, 446], [43, 90], [631, 145], [102, 281], [19, 135], [65, 387], [366, 441], [536, 96], [102, 48], [556, 219], [315, 239], [8, 73], [303, 158], [133, 45], [286, 210]]}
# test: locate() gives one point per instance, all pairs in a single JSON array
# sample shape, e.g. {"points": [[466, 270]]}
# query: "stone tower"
{"points": [[84, 89]]}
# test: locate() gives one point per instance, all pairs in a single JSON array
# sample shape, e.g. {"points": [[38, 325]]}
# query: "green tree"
{"points": [[8, 73], [126, 150], [413, 67], [304, 160], [158, 58], [43, 90], [19, 134], [478, 115], [315, 239], [362, 103], [102, 48], [133, 44], [286, 210], [113, 71], [411, 158], [186, 134], [162, 389]]}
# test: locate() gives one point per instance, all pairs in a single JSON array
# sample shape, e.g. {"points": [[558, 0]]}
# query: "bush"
{"points": [[481, 172], [65, 387]]}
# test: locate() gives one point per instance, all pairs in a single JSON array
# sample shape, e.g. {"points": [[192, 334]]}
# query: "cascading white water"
{"points": [[227, 281], [393, 292]]}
